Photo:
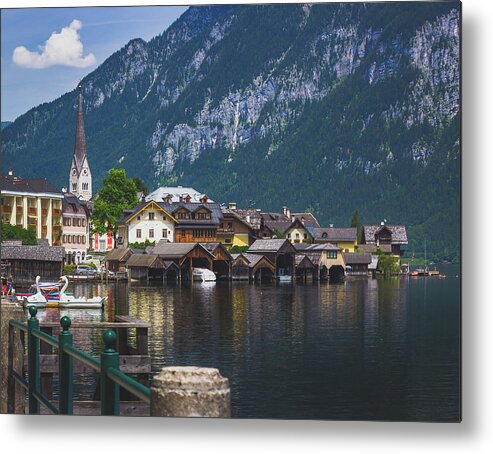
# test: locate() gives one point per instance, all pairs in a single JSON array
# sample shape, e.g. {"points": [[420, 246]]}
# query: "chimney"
{"points": [[248, 218], [303, 220], [11, 172], [232, 205], [286, 211], [382, 223], [331, 226], [64, 189]]}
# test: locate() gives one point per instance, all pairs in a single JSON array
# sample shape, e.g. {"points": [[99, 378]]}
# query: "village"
{"points": [[174, 230]]}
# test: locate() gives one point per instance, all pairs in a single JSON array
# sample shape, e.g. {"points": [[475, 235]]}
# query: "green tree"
{"points": [[141, 186], [278, 233], [355, 222], [14, 232], [117, 194], [389, 265]]}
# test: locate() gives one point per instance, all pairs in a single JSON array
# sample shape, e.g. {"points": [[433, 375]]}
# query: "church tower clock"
{"points": [[80, 179]]}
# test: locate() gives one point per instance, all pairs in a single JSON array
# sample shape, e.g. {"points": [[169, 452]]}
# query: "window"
{"points": [[165, 233], [230, 225], [297, 235], [289, 235], [84, 239], [183, 234], [83, 222], [139, 233], [305, 236], [346, 250], [324, 235], [151, 233], [68, 239], [64, 238], [331, 254], [74, 187], [73, 239], [227, 240], [151, 216], [164, 217], [138, 218]]}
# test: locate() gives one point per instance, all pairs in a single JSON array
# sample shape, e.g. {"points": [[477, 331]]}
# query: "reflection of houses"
{"points": [[357, 263], [32, 204], [27, 262], [148, 221], [388, 238], [344, 238], [326, 259], [279, 251], [75, 230], [252, 267], [234, 230]]}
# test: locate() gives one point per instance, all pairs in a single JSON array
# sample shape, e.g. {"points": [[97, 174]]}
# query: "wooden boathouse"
{"points": [[25, 262], [280, 252], [253, 267], [146, 266]]}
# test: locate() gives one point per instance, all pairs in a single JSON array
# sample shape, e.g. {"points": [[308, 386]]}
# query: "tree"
{"points": [[14, 232], [141, 186], [278, 233], [117, 194], [355, 222]]}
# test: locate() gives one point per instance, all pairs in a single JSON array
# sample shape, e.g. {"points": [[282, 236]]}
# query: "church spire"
{"points": [[80, 137]]}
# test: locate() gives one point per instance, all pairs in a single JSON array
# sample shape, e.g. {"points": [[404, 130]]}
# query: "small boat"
{"points": [[61, 299], [283, 276], [203, 275]]}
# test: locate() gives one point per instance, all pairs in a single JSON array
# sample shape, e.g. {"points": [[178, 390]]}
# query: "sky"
{"points": [[46, 51]]}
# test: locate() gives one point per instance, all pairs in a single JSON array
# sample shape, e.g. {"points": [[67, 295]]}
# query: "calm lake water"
{"points": [[363, 349]]}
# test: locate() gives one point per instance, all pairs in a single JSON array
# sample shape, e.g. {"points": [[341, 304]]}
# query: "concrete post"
{"points": [[190, 392], [10, 311]]}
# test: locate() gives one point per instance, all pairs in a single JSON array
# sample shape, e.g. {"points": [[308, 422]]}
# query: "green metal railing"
{"points": [[108, 366]]}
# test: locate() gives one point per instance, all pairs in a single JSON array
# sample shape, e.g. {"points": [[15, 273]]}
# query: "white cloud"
{"points": [[64, 48]]}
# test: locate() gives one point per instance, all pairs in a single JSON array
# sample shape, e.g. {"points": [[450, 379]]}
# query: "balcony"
{"points": [[225, 230], [18, 210], [7, 209], [56, 212], [44, 211], [56, 229], [32, 211], [44, 229]]}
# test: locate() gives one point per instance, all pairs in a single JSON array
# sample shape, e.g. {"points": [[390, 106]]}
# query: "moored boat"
{"points": [[203, 275]]}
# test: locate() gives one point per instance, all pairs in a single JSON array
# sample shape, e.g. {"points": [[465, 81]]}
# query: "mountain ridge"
{"points": [[226, 98]]}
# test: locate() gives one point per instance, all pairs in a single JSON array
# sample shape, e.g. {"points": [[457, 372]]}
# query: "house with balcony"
{"points": [[234, 230], [32, 204], [148, 221], [389, 239]]}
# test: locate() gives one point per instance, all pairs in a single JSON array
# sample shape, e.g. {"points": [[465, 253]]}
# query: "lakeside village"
{"points": [[187, 236]]}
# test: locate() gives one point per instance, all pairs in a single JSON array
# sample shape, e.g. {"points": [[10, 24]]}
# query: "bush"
{"points": [[141, 245], [68, 269], [14, 232], [238, 249]]}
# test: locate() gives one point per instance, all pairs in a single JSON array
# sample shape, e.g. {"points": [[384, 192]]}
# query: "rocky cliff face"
{"points": [[360, 90]]}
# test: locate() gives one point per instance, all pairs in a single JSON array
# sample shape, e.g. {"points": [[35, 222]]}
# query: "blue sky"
{"points": [[41, 73]]}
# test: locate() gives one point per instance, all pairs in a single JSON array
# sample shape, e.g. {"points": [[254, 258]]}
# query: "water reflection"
{"points": [[361, 349]]}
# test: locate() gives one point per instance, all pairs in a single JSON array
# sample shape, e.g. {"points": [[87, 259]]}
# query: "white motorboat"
{"points": [[203, 275], [283, 276]]}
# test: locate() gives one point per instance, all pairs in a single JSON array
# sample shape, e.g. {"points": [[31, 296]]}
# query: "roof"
{"points": [[175, 250], [270, 245], [305, 260], [214, 208], [309, 219], [129, 214], [118, 254], [253, 259], [304, 247], [398, 232], [228, 212], [145, 261], [34, 185], [282, 225], [335, 233], [80, 138], [357, 258], [76, 203], [251, 215], [40, 252], [159, 194]]}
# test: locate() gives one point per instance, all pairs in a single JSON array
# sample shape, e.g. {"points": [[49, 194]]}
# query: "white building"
{"points": [[148, 221]]}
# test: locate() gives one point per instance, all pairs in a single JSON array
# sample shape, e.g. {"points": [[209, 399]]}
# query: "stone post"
{"points": [[190, 392], [10, 311]]}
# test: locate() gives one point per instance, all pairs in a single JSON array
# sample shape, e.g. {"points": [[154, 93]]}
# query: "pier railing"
{"points": [[111, 378]]}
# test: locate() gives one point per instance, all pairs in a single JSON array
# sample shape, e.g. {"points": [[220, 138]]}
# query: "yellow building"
{"points": [[345, 238], [32, 203], [298, 233], [234, 231]]}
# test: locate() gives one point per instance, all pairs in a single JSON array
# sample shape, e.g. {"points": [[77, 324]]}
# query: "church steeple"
{"points": [[80, 180]]}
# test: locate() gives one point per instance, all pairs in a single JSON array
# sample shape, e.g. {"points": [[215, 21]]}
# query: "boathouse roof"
{"points": [[357, 258], [145, 261], [120, 254], [15, 250], [272, 245]]}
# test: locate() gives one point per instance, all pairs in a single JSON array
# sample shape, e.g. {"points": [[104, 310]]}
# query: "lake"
{"points": [[364, 349]]}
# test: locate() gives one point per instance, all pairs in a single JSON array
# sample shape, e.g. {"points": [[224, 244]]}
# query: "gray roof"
{"points": [[118, 254], [357, 258], [174, 250], [398, 232], [303, 247], [214, 208], [250, 215], [253, 259], [33, 185], [145, 261], [270, 245], [372, 248], [335, 233], [300, 257], [39, 252]]}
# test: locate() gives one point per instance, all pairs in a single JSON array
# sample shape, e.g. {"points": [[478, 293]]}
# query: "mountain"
{"points": [[327, 107], [4, 124]]}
